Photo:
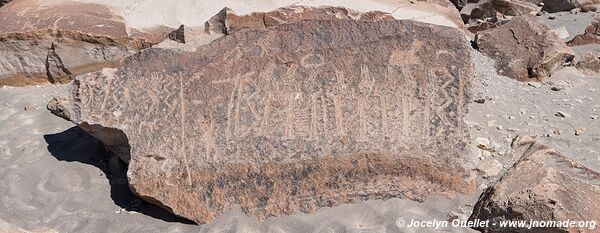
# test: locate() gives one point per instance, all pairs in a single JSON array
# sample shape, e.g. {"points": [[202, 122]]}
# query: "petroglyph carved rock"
{"points": [[289, 118], [525, 49], [544, 186]]}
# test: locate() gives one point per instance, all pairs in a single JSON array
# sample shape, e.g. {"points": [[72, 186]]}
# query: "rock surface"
{"points": [[489, 8], [55, 43], [589, 64], [544, 185], [524, 49], [307, 115]]}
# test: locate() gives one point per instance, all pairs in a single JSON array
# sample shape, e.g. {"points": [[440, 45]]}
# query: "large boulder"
{"points": [[543, 186], [524, 49], [55, 43], [287, 119]]}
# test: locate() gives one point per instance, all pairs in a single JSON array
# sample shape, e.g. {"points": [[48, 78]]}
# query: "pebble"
{"points": [[483, 143], [563, 114], [579, 131], [534, 84], [479, 100], [594, 117], [556, 88], [499, 127], [552, 17], [511, 117]]}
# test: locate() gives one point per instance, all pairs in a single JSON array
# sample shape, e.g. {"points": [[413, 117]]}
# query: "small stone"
{"points": [[580, 131], [575, 11], [594, 117], [562, 114], [483, 143], [556, 88], [499, 127], [534, 84], [552, 17], [541, 4], [489, 168], [479, 101], [511, 117]]}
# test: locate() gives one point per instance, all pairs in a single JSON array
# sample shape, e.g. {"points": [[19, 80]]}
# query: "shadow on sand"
{"points": [[75, 145]]}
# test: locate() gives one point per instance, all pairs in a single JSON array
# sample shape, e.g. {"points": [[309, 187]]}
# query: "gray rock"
{"points": [[544, 186]]}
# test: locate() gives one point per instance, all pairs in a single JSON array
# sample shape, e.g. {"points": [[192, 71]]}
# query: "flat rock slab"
{"points": [[44, 43], [544, 186], [524, 49], [287, 119]]}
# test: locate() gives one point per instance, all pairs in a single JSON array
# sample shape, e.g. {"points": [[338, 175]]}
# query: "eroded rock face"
{"points": [[289, 118], [524, 49], [55, 43], [544, 185]]}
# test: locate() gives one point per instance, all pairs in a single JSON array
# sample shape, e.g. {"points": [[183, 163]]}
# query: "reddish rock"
{"points": [[590, 36], [57, 42], [525, 49], [297, 13], [289, 118], [544, 185]]}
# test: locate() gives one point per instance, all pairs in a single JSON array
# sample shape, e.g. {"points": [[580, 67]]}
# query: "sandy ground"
{"points": [[514, 108]]}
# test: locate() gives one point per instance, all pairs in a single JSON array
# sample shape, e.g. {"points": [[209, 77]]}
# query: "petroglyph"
{"points": [[317, 115]]}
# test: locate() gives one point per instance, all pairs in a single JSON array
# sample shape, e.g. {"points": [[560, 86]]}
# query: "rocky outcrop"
{"points": [[284, 15], [289, 118], [54, 44], [524, 49], [544, 185], [226, 22], [590, 36]]}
